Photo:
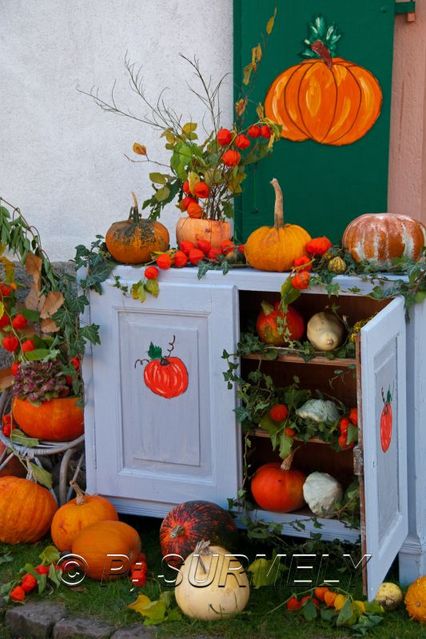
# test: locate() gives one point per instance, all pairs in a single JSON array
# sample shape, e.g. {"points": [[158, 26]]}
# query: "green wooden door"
{"points": [[324, 186]]}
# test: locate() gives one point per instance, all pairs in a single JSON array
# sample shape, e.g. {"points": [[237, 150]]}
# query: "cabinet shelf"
{"points": [[259, 432], [294, 358]]}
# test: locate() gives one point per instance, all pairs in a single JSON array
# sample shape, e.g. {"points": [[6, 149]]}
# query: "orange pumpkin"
{"points": [[213, 231], [275, 248], [133, 241], [13, 467], [26, 510], [104, 538], [277, 488], [77, 514], [381, 237], [58, 420], [325, 98]]}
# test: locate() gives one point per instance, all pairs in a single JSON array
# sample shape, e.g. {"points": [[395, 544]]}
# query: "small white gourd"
{"points": [[319, 410], [325, 331], [323, 494]]}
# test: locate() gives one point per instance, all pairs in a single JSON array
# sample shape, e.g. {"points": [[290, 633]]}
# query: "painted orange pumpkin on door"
{"points": [[324, 98], [164, 375], [386, 419]]}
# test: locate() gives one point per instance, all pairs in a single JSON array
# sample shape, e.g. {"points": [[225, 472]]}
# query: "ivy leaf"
{"points": [[138, 291], [39, 353], [286, 444], [155, 352], [152, 287], [41, 476]]}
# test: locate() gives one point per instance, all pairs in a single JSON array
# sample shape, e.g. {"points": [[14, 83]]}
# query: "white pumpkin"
{"points": [[323, 493], [212, 584], [319, 410], [325, 331]]}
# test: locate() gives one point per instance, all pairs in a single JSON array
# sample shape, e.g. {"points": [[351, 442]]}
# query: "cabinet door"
{"points": [[153, 450], [384, 508]]}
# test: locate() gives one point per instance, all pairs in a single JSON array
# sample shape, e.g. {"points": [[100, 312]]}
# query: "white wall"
{"points": [[61, 158]]}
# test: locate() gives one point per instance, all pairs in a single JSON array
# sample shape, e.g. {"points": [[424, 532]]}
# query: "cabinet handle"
{"points": [[358, 461]]}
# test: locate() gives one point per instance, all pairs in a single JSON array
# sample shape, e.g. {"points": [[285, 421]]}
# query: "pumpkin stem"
{"points": [[287, 462], [177, 531], [279, 204], [267, 308], [134, 214], [80, 494]]}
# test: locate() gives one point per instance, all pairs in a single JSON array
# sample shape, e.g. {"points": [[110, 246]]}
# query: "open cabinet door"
{"points": [[384, 499]]}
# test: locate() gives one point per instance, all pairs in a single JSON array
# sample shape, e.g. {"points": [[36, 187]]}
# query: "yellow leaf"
{"points": [[139, 149], [271, 22], [240, 106], [260, 111], [9, 267], [193, 180], [189, 127], [256, 56], [247, 71], [141, 602]]}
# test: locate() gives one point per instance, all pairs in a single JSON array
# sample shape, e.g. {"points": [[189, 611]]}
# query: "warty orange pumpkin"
{"points": [[58, 420], [133, 241], [26, 510], [325, 98], [381, 237], [104, 538], [77, 514], [274, 248]]}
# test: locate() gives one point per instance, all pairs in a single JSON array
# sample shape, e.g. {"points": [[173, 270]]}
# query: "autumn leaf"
{"points": [[139, 149], [138, 291], [51, 303], [33, 265], [240, 106], [260, 111], [271, 22], [6, 379], [9, 269], [247, 71], [49, 325], [256, 56]]}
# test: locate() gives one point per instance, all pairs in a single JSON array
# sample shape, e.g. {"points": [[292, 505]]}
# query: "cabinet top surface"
{"points": [[248, 279]]}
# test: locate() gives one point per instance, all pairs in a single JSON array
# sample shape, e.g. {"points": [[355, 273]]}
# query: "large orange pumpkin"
{"points": [[26, 510], [277, 488], [13, 467], [58, 420], [213, 231], [274, 248], [325, 98], [77, 514], [133, 241], [104, 538], [381, 237]]}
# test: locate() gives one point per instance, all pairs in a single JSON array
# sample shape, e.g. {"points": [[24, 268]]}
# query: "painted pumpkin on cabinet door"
{"points": [[164, 375], [324, 98], [386, 419]]}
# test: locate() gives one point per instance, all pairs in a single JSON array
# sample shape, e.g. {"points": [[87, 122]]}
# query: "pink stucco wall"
{"points": [[407, 170]]}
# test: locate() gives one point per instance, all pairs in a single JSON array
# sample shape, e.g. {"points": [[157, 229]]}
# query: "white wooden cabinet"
{"points": [[148, 453]]}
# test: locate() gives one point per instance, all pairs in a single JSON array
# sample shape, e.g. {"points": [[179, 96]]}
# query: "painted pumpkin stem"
{"points": [[80, 494], [279, 204]]}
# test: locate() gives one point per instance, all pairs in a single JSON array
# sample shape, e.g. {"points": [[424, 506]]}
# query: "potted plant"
{"points": [[205, 171], [43, 335]]}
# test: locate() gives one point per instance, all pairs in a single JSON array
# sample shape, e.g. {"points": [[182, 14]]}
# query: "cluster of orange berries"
{"points": [[28, 583], [303, 265], [322, 595], [193, 253]]}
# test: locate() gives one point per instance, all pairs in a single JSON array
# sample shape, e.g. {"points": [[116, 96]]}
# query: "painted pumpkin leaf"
{"points": [[155, 352]]}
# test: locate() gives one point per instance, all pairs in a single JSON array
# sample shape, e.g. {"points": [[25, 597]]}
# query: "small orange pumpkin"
{"points": [[381, 237], [26, 510], [77, 514], [58, 420], [415, 600], [13, 467], [133, 241], [277, 488], [213, 231], [275, 248], [104, 538], [326, 99]]}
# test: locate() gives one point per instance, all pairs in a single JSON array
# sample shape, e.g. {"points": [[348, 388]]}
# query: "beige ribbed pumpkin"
{"points": [[379, 238], [274, 248]]}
